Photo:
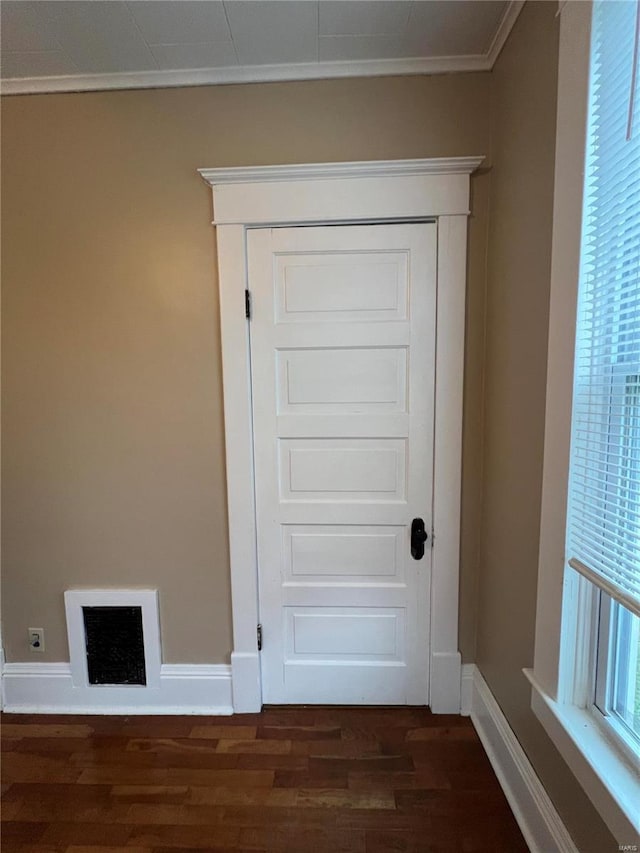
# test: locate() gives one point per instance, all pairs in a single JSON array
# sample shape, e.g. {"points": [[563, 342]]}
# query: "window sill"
{"points": [[612, 784]]}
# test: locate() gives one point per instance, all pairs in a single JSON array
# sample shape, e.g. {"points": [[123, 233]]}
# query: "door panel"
{"points": [[348, 381], [329, 291], [348, 469], [356, 633], [342, 356], [342, 552]]}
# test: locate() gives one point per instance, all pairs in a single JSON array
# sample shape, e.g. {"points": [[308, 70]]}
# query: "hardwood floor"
{"points": [[307, 780]]}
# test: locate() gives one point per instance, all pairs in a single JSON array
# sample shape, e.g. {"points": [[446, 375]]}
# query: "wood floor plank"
{"points": [[105, 834], [26, 719], [188, 746], [172, 815], [200, 761], [471, 780], [447, 733], [398, 780], [98, 848], [68, 745], [57, 792], [120, 774], [48, 812], [157, 794], [346, 799], [222, 796], [371, 819], [21, 831], [335, 778], [10, 809], [260, 747], [342, 748], [361, 733], [180, 837], [217, 732], [304, 733], [316, 817], [230, 778], [461, 806], [403, 841], [47, 730], [298, 840], [362, 762], [34, 768], [207, 849], [97, 757], [254, 761], [144, 726]]}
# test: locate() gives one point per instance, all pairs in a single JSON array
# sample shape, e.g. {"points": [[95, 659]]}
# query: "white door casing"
{"points": [[342, 354], [367, 192]]}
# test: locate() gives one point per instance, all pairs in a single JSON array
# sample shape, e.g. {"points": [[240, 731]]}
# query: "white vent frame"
{"points": [[146, 599]]}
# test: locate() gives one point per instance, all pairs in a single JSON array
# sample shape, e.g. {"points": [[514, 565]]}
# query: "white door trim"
{"points": [[345, 192]]}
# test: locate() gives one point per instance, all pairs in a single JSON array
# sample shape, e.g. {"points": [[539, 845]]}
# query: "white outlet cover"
{"points": [[39, 632]]}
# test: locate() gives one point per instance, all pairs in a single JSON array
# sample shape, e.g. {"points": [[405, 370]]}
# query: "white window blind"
{"points": [[603, 533]]}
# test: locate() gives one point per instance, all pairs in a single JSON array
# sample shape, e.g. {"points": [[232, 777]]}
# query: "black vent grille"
{"points": [[115, 645]]}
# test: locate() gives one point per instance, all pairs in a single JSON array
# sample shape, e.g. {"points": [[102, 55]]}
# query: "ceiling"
{"points": [[54, 45]]}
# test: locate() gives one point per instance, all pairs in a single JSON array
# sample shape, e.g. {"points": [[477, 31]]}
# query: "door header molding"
{"points": [[353, 169], [329, 192]]}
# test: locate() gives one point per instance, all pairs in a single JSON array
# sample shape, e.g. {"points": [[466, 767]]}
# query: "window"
{"points": [[603, 519], [585, 679]]}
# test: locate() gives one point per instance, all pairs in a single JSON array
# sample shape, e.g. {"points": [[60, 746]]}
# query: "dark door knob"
{"points": [[418, 537]]}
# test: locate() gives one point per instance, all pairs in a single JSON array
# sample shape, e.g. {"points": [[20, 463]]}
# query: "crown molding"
{"points": [[332, 171], [244, 74], [504, 28]]}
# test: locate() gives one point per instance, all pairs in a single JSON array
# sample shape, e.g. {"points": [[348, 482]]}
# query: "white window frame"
{"points": [[606, 673], [321, 193], [562, 678]]}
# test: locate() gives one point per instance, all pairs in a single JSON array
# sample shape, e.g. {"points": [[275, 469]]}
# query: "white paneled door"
{"points": [[342, 359]]}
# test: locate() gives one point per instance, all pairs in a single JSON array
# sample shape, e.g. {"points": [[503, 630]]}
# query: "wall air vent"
{"points": [[114, 640], [115, 645]]}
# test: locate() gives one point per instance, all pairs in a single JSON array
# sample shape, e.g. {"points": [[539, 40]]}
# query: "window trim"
{"points": [[567, 604]]}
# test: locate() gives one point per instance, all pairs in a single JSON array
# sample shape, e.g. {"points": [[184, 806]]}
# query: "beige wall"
{"points": [[524, 89], [113, 450]]}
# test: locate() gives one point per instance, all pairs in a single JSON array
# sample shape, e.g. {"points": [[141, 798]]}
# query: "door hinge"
{"points": [[247, 304], [259, 635]]}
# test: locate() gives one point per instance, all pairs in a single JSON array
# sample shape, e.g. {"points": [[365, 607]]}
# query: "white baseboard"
{"points": [[539, 822], [1, 671], [47, 688], [247, 689], [444, 689], [466, 688]]}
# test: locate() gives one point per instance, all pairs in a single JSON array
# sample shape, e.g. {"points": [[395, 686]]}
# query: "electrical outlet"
{"points": [[36, 639]]}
